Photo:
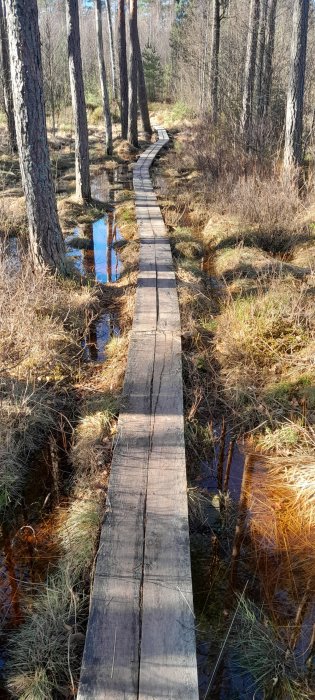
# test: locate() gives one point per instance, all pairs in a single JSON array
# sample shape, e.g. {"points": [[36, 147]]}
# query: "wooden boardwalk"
{"points": [[141, 639]]}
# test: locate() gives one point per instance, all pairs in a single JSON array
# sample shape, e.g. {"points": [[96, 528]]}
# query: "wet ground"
{"points": [[254, 537], [94, 248], [29, 549]]}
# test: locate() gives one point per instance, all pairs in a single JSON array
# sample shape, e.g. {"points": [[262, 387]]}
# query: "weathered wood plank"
{"points": [[110, 665], [168, 655], [140, 639]]}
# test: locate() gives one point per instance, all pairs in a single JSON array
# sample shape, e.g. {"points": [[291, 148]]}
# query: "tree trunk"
{"points": [[142, 92], [123, 68], [214, 60], [46, 241], [269, 50], [112, 49], [203, 69], [295, 97], [6, 73], [82, 171], [250, 64], [261, 56], [133, 76], [101, 63]]}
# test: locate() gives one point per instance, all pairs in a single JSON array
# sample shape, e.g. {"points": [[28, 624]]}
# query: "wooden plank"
{"points": [[168, 654], [140, 639], [110, 665]]}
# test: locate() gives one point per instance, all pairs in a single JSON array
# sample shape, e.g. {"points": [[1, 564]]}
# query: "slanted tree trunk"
{"points": [[6, 75], [133, 76], [269, 51], [112, 49], [82, 169], [142, 92], [103, 80], [249, 79], [261, 56], [214, 60], [123, 68], [46, 241], [295, 97]]}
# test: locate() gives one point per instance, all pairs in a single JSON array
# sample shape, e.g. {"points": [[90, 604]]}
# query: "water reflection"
{"points": [[264, 536], [92, 248], [100, 332]]}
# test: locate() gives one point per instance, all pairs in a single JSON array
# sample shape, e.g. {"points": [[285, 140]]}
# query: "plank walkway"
{"points": [[141, 639]]}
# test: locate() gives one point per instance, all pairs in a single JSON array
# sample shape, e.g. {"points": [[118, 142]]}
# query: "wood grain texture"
{"points": [[141, 639]]}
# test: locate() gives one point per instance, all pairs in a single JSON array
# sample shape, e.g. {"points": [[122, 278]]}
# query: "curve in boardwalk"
{"points": [[141, 639]]}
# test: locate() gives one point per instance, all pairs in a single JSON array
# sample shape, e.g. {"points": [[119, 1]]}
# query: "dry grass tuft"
{"points": [[260, 341], [260, 652], [92, 435], [50, 635], [79, 530]]}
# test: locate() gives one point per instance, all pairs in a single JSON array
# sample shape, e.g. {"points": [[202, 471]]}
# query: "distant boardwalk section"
{"points": [[141, 634]]}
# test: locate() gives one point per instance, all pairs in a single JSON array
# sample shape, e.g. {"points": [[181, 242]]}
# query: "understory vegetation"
{"points": [[243, 245], [58, 416]]}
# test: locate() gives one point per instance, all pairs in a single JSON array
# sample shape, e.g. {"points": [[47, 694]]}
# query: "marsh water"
{"points": [[29, 549], [256, 540]]}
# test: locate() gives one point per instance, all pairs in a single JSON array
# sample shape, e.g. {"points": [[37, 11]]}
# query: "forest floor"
{"points": [[244, 250]]}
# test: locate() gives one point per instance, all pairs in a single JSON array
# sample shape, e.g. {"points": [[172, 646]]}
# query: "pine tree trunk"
{"points": [[123, 68], [295, 97], [112, 49], [104, 90], [214, 60], [133, 76], [250, 65], [82, 170], [46, 241], [6, 75], [261, 49], [269, 51], [142, 93]]}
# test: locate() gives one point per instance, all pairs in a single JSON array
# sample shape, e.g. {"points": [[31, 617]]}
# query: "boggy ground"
{"points": [[58, 416], [244, 249]]}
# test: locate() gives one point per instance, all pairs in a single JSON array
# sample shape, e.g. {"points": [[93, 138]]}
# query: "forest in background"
{"points": [[233, 82]]}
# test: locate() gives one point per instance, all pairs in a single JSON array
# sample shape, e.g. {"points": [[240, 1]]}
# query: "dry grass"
{"points": [[41, 320], [248, 348], [262, 654], [271, 205], [261, 342], [43, 653]]}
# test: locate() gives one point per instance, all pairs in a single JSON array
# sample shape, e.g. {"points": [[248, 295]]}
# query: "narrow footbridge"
{"points": [[140, 640]]}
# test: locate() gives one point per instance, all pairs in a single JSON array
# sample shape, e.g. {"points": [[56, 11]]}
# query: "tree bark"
{"points": [[261, 56], [112, 49], [250, 64], [295, 96], [103, 80], [82, 170], [6, 73], [46, 241], [214, 60], [269, 51], [133, 76], [123, 68], [142, 92]]}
